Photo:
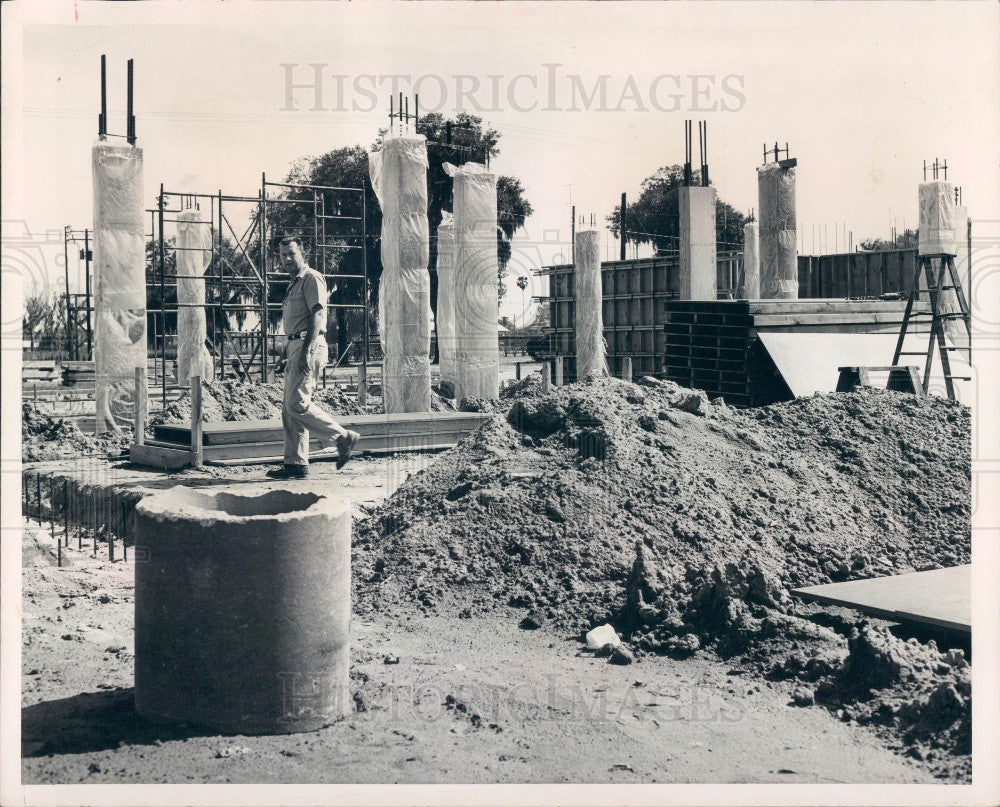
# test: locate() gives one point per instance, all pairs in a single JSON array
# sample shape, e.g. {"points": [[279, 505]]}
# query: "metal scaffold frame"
{"points": [[243, 276]]}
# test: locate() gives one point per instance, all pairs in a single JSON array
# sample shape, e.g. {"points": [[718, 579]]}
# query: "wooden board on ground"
{"points": [[941, 597], [227, 432], [236, 442]]}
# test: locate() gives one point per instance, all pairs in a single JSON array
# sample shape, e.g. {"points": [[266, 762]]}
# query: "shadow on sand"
{"points": [[93, 721]]}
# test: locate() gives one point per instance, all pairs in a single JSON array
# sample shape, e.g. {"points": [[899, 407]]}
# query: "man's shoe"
{"points": [[289, 472], [346, 444]]}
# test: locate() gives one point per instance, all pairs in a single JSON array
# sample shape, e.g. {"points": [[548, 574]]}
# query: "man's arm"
{"points": [[315, 293], [316, 322]]}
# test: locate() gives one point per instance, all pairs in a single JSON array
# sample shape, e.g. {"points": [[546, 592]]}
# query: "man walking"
{"points": [[304, 319]]}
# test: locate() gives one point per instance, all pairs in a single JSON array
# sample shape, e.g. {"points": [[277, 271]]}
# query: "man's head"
{"points": [[290, 255]]}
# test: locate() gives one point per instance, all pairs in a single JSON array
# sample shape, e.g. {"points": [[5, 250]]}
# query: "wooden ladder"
{"points": [[935, 286]]}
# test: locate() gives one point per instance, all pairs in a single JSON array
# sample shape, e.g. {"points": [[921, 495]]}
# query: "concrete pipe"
{"points": [[242, 608]]}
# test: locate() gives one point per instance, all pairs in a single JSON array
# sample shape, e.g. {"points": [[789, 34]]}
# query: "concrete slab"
{"points": [[942, 597], [809, 361]]}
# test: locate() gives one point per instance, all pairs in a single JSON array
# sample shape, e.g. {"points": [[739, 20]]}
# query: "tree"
{"points": [[655, 217], [513, 209], [906, 240], [341, 168], [457, 140], [44, 321]]}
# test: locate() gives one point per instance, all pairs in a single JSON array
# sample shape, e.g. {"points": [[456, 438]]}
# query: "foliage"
{"points": [[905, 240], [44, 323], [655, 218]]}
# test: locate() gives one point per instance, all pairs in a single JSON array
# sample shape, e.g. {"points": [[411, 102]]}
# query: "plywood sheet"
{"points": [[942, 597], [809, 362]]}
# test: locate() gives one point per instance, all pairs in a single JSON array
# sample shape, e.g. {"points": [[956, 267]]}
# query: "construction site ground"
{"points": [[444, 699], [477, 572]]}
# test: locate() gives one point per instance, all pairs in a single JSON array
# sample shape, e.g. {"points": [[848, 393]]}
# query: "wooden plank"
{"points": [[809, 320], [170, 459], [709, 306], [372, 445], [941, 597], [813, 306], [217, 433]]}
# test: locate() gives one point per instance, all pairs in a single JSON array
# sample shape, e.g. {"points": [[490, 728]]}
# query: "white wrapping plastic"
{"points": [[194, 251], [446, 296], [751, 262], [477, 354], [590, 348], [399, 178], [119, 281], [937, 218], [779, 268]]}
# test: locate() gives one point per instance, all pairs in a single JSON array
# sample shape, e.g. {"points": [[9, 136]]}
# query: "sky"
{"points": [[862, 93]]}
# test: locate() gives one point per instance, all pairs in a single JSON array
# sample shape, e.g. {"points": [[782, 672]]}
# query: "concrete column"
{"points": [[446, 299], [937, 222], [590, 352], [698, 273], [939, 228], [399, 175], [546, 377], [626, 368], [477, 350], [558, 375], [779, 268], [119, 281], [194, 251], [751, 262]]}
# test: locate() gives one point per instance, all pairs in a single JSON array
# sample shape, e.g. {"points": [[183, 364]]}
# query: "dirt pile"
{"points": [[914, 695], [684, 523], [237, 400], [922, 695], [546, 507], [44, 437]]}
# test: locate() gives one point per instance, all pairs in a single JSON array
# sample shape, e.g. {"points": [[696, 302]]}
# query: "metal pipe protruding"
{"points": [[130, 120], [102, 120]]}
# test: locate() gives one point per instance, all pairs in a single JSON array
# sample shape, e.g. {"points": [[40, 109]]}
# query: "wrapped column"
{"points": [[119, 281], [194, 251], [779, 269], [751, 262], [446, 298], [938, 235], [590, 350], [399, 177], [698, 273], [477, 355]]}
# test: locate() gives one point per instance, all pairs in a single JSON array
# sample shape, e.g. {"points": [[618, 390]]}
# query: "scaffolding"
{"points": [[77, 305], [244, 285]]}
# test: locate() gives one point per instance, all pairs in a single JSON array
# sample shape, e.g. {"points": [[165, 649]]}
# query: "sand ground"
{"points": [[470, 700]]}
